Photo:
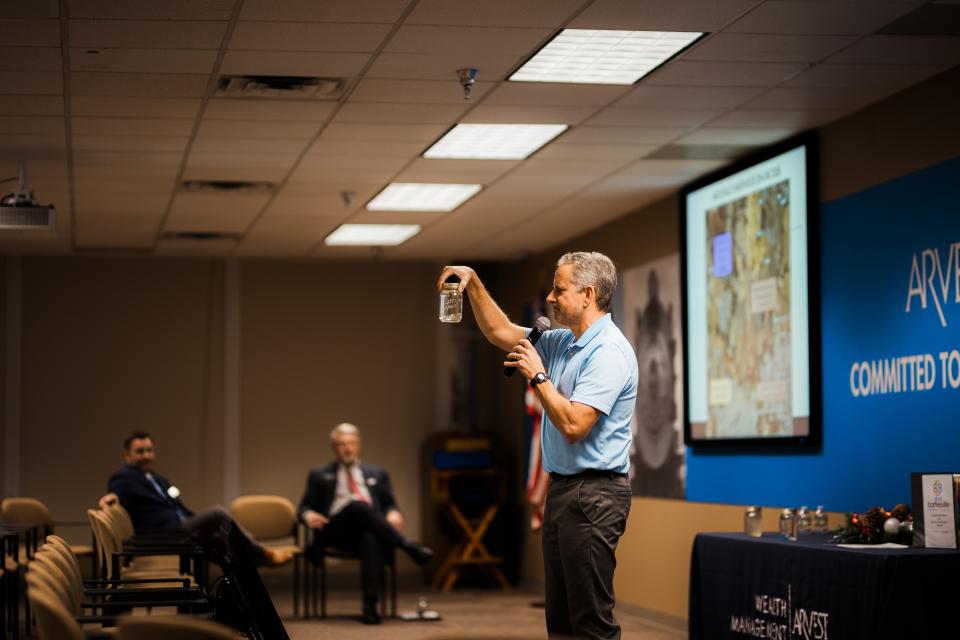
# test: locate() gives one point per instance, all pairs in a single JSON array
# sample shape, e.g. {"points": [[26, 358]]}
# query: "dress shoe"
{"points": [[276, 557], [420, 554], [370, 615]]}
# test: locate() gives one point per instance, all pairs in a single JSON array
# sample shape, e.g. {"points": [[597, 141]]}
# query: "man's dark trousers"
{"points": [[363, 530], [584, 518]]}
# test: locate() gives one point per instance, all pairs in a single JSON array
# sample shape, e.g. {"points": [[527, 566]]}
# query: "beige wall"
{"points": [[905, 133], [323, 345], [115, 344], [109, 346]]}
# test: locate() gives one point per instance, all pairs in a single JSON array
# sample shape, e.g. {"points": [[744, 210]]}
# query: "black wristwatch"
{"points": [[537, 379]]}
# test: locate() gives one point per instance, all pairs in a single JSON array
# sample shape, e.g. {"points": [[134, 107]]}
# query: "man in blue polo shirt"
{"points": [[586, 379]]}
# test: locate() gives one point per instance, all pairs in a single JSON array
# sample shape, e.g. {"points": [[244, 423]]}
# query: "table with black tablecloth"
{"points": [[743, 587]]}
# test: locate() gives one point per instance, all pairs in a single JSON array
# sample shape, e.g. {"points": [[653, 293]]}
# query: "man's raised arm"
{"points": [[493, 322]]}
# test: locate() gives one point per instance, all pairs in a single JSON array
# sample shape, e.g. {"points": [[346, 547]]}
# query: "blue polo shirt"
{"points": [[600, 370]]}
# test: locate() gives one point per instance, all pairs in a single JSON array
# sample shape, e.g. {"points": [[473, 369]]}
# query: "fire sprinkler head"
{"points": [[468, 77]]}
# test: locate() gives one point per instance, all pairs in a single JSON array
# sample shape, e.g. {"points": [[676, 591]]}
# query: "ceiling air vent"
{"points": [[241, 187], [289, 87], [202, 236]]}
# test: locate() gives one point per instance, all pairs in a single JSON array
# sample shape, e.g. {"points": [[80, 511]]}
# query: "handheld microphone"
{"points": [[541, 325]]}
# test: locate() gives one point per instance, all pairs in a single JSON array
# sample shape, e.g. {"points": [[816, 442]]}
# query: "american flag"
{"points": [[537, 478]]}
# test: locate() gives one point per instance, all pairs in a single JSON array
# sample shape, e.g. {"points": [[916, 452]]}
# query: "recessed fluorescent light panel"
{"points": [[377, 235], [592, 56], [494, 141], [422, 196]]}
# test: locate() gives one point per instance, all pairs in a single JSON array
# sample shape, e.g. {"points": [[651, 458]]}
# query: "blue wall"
{"points": [[870, 444]]}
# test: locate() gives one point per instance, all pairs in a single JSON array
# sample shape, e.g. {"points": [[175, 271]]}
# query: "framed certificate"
{"points": [[936, 517]]}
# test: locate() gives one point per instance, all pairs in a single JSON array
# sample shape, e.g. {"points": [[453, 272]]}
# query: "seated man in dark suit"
{"points": [[350, 505], [154, 503]]}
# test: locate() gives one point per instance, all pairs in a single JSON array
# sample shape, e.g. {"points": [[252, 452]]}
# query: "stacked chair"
{"points": [[63, 602], [122, 553]]}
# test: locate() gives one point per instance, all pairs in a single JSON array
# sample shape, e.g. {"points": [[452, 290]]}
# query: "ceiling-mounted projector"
{"points": [[20, 210]]}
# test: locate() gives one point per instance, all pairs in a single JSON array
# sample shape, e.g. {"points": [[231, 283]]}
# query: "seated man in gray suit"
{"points": [[349, 505]]}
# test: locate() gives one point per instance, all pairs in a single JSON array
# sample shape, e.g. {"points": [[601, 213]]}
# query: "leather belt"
{"points": [[587, 473]]}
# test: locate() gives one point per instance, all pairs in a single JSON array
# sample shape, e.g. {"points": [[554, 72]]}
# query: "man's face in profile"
{"points": [[347, 448], [141, 454]]}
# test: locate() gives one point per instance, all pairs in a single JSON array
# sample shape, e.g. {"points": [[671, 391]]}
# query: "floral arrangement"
{"points": [[877, 525]]}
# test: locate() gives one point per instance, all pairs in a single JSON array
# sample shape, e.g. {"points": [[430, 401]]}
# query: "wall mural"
{"points": [[647, 310]]}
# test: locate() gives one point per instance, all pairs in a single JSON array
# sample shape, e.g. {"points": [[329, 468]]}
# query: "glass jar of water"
{"points": [[451, 302]]}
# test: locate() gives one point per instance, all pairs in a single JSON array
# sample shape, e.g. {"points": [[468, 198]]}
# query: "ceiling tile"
{"points": [[842, 99], [170, 9], [308, 36], [210, 163], [31, 105], [149, 206], [777, 118], [102, 172], [851, 17], [31, 124], [654, 117], [190, 247], [446, 91], [864, 76], [645, 174], [206, 144], [623, 152], [423, 218], [622, 135], [125, 159], [494, 13], [457, 171], [701, 97], [199, 61], [111, 231], [732, 135], [214, 212], [748, 47], [383, 132], [30, 59], [31, 82], [437, 39], [935, 50], [137, 84], [130, 143], [32, 142], [132, 126], [557, 94], [343, 178], [30, 9], [34, 33], [327, 11], [257, 129], [522, 114], [386, 163], [211, 167], [255, 109], [442, 66], [134, 107], [365, 148], [677, 15], [730, 74], [290, 63], [142, 34], [375, 112]]}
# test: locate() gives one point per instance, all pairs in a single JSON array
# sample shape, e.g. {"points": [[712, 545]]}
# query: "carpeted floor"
{"points": [[475, 614]]}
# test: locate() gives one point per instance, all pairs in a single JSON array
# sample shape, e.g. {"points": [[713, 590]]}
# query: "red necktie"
{"points": [[354, 489]]}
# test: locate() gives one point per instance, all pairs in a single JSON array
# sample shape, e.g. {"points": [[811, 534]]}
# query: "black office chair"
{"points": [[317, 557]]}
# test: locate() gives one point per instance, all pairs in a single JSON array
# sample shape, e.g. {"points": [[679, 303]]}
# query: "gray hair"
{"points": [[593, 269], [344, 428]]}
